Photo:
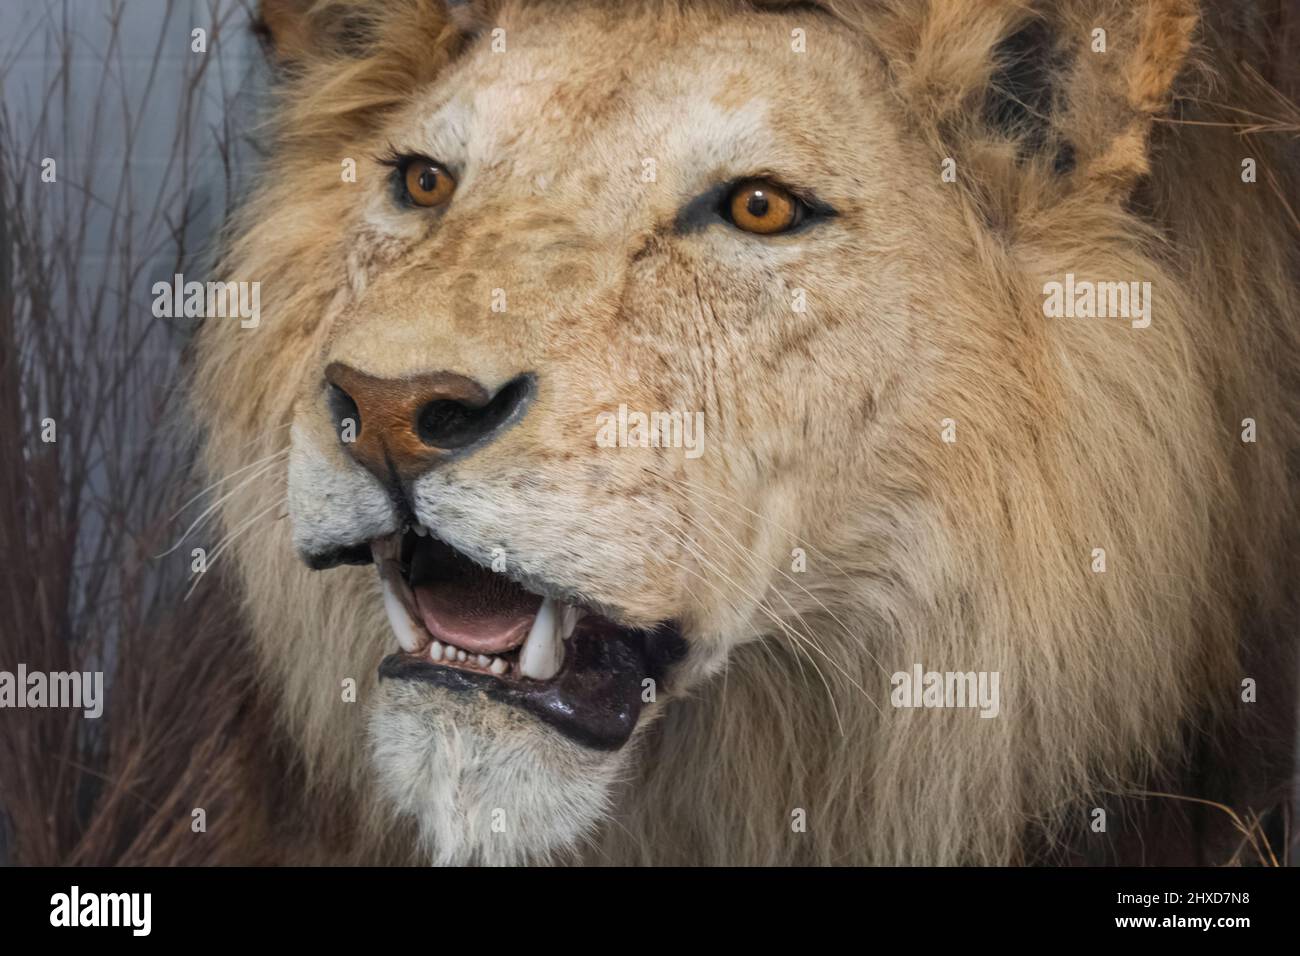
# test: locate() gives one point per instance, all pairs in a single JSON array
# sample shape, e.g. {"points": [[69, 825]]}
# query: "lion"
{"points": [[686, 413]]}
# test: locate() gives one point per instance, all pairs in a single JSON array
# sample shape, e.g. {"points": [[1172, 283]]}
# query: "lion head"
{"points": [[651, 385]]}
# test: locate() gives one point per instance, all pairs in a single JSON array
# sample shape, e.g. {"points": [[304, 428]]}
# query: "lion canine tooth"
{"points": [[543, 651], [387, 548], [399, 620], [568, 621]]}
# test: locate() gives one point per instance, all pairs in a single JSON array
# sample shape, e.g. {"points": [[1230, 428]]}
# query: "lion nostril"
{"points": [[343, 409], [447, 423]]}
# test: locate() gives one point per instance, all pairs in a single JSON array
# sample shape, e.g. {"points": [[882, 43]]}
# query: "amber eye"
{"points": [[761, 206], [427, 183]]}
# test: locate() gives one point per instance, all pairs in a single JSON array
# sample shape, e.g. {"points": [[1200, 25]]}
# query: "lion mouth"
{"points": [[467, 628]]}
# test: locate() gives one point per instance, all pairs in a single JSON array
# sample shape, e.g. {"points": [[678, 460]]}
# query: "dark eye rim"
{"points": [[399, 163]]}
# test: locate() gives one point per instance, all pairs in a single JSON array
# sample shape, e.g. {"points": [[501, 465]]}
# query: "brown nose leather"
{"points": [[402, 427]]}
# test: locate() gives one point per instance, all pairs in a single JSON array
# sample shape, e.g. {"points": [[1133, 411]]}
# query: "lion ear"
{"points": [[470, 16], [295, 31], [1073, 86], [281, 26]]}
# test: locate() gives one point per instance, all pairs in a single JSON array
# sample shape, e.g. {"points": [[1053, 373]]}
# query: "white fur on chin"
{"points": [[485, 784]]}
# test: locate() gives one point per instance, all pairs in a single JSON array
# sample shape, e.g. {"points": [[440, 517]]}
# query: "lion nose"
{"points": [[401, 427]]}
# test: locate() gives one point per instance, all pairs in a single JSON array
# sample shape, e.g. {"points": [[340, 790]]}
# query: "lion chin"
{"points": [[485, 784]]}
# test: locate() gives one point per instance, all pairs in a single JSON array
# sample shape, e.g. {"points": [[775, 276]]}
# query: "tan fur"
{"points": [[823, 428]]}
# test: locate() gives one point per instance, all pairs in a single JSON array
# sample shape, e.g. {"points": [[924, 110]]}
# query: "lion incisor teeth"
{"points": [[543, 651]]}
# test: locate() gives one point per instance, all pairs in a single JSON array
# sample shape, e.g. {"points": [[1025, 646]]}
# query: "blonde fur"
{"points": [[824, 428]]}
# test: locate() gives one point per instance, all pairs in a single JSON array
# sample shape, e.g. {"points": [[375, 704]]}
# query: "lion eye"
{"points": [[427, 183], [761, 206]]}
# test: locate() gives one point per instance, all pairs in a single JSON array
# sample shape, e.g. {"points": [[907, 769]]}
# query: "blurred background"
{"points": [[126, 130]]}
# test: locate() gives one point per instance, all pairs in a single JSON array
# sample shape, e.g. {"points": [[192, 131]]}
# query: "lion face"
{"points": [[576, 407], [667, 377]]}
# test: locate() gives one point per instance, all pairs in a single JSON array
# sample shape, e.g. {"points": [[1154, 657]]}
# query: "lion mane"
{"points": [[981, 553]]}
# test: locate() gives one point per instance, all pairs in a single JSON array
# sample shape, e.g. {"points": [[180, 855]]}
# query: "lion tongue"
{"points": [[477, 611]]}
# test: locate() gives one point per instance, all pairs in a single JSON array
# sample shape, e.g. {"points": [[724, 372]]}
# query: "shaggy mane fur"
{"points": [[1112, 684]]}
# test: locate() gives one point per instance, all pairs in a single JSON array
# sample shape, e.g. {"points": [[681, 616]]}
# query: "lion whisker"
{"points": [[762, 606], [221, 481], [830, 694], [727, 498], [807, 634], [201, 519], [230, 539], [776, 567]]}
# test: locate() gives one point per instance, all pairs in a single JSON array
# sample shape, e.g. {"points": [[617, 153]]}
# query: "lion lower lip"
{"points": [[459, 627]]}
